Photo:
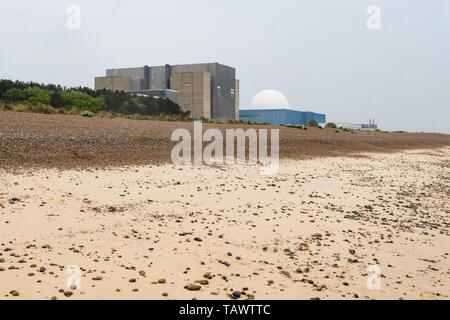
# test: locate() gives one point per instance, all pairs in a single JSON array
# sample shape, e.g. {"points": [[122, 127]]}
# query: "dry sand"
{"points": [[290, 236]]}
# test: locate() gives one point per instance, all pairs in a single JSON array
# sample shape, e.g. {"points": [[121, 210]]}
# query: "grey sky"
{"points": [[319, 53]]}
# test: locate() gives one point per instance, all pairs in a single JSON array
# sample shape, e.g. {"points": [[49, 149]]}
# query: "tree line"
{"points": [[84, 99]]}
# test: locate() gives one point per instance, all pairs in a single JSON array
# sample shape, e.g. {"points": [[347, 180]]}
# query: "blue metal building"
{"points": [[281, 116]]}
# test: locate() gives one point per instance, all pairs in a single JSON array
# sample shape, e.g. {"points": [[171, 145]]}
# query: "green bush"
{"points": [[80, 100], [13, 95], [41, 98], [331, 125]]}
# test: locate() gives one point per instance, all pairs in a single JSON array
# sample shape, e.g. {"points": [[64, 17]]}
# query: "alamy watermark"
{"points": [[213, 153], [73, 17], [374, 280], [74, 280], [374, 20]]}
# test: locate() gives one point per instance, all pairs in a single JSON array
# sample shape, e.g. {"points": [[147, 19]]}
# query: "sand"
{"points": [[309, 232]]}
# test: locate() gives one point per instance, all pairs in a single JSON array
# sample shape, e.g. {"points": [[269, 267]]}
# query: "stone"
{"points": [[207, 275], [68, 293], [286, 273], [193, 287]]}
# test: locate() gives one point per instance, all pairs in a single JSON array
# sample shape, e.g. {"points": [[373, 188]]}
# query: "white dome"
{"points": [[270, 99]]}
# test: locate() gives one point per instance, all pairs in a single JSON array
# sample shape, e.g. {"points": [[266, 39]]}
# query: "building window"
{"points": [[187, 84]]}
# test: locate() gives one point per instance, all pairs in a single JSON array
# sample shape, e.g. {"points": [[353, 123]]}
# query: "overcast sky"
{"points": [[319, 53]]}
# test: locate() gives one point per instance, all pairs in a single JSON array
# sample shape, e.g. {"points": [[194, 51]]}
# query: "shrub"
{"points": [[301, 127], [331, 125], [13, 95], [72, 111], [41, 98], [37, 108], [87, 114], [80, 100], [106, 115], [204, 120], [313, 123], [5, 107], [43, 108]]}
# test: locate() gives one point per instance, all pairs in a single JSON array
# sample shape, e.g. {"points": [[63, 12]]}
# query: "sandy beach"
{"points": [[184, 232]]}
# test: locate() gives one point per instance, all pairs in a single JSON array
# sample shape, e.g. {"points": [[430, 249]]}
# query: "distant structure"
{"points": [[271, 106], [371, 126], [207, 90]]}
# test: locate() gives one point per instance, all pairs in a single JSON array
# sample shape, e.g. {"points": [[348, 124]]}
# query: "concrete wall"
{"points": [[223, 101], [194, 93], [118, 83], [158, 78], [137, 76], [223, 80]]}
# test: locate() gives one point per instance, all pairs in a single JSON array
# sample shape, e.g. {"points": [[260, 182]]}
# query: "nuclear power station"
{"points": [[206, 90], [271, 106]]}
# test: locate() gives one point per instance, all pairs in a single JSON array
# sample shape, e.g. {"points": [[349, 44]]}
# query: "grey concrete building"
{"points": [[208, 90]]}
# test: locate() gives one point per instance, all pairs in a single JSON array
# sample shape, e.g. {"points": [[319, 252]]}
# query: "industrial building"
{"points": [[208, 90], [357, 126], [281, 116], [271, 106]]}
